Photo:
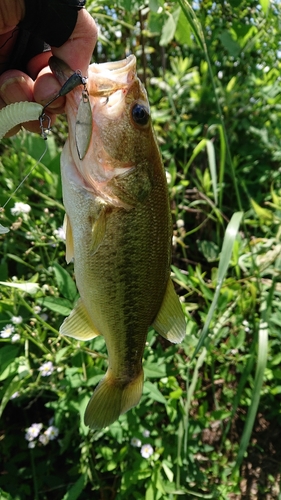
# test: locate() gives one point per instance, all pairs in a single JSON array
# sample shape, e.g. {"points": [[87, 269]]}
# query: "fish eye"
{"points": [[140, 114]]}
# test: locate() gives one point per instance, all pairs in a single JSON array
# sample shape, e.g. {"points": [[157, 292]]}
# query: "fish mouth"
{"points": [[103, 79], [107, 78]]}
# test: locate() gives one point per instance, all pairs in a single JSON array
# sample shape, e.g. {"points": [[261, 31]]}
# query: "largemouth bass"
{"points": [[118, 230]]}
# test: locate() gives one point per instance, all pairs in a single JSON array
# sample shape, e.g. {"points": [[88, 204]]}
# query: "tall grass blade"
{"points": [[200, 38], [222, 159], [226, 252], [190, 391], [212, 166], [259, 377]]}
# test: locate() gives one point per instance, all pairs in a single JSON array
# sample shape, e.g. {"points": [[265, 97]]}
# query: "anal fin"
{"points": [[170, 320], [79, 324]]}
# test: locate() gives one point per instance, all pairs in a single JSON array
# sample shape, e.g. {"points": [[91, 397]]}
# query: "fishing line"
{"points": [[71, 83], [24, 179], [44, 130]]}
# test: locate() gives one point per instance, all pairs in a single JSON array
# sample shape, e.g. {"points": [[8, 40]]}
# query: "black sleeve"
{"points": [[51, 20], [46, 22]]}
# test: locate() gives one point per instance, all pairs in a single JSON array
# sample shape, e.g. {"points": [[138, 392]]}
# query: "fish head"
{"points": [[110, 131]]}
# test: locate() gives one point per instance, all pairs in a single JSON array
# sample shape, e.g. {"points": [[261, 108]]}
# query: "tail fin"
{"points": [[110, 400]]}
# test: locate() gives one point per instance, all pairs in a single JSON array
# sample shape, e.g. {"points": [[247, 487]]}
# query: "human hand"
{"points": [[38, 83]]}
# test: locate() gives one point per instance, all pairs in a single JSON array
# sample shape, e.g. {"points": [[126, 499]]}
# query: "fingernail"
{"points": [[15, 89]]}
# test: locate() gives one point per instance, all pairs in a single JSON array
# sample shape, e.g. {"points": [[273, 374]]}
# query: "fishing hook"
{"points": [[71, 83]]}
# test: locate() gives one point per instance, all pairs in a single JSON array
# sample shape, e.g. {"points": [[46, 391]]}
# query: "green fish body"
{"points": [[118, 230]]}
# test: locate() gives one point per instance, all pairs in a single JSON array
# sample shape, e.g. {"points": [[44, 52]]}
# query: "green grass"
{"points": [[210, 409]]}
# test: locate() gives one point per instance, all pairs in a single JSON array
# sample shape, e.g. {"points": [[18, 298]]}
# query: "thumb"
{"points": [[77, 50]]}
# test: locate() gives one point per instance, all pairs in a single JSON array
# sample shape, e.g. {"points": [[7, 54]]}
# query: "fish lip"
{"points": [[104, 78], [116, 67]]}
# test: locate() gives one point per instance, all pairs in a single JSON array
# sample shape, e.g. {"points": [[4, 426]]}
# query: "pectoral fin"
{"points": [[170, 320], [69, 249], [79, 324], [98, 230]]}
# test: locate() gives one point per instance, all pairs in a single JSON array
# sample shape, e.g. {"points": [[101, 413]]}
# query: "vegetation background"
{"points": [[209, 422]]}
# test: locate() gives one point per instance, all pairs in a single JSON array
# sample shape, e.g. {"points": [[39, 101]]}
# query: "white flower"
{"points": [[20, 208], [16, 320], [44, 316], [146, 433], [180, 223], [15, 337], [37, 309], [46, 369], [136, 442], [33, 431], [31, 444], [43, 438], [59, 233], [52, 432], [7, 331], [146, 450]]}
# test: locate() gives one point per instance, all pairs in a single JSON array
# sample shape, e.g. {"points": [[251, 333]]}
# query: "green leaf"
{"points": [[31, 288], [169, 28], [169, 473], [8, 354], [56, 304], [212, 166], [265, 5], [4, 495], [263, 213], [259, 378], [209, 249], [153, 392], [11, 389], [154, 5], [65, 283], [183, 31], [152, 370], [61, 353], [230, 44], [226, 253], [76, 489]]}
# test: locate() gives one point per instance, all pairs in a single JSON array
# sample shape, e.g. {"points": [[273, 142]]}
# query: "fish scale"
{"points": [[118, 230]]}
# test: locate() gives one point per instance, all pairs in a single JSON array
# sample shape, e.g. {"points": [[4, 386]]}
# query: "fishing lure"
{"points": [[17, 113], [70, 84], [83, 126], [84, 115], [21, 112]]}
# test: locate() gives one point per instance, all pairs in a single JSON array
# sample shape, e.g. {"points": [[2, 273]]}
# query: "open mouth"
{"points": [[107, 78]]}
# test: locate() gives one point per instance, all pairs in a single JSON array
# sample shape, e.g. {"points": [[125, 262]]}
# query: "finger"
{"points": [[11, 13], [47, 87], [38, 63], [78, 49], [16, 86]]}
